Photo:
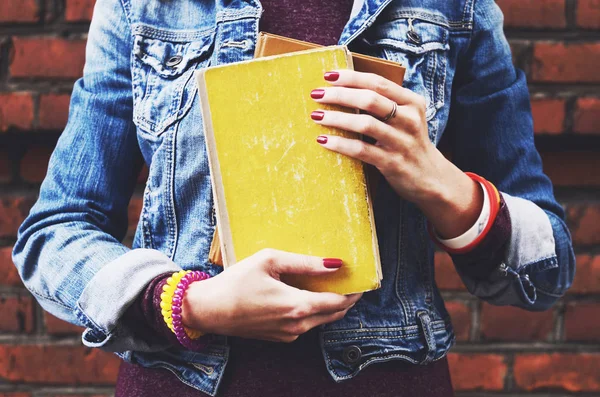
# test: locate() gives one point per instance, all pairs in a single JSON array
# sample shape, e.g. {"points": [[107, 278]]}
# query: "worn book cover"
{"points": [[273, 185]]}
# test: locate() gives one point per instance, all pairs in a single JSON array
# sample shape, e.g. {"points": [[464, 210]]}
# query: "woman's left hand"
{"points": [[403, 153]]}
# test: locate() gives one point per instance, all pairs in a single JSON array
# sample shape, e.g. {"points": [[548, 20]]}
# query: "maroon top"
{"points": [[260, 368]]}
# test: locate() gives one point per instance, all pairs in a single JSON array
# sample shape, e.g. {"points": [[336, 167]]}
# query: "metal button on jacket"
{"points": [[174, 61], [351, 354]]}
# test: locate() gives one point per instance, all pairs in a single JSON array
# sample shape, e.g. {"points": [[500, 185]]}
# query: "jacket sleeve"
{"points": [[493, 136], [69, 251]]}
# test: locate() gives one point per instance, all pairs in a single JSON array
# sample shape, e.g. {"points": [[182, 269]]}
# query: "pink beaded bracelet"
{"points": [[178, 327]]}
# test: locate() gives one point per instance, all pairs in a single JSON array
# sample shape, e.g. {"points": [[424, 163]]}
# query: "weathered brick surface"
{"points": [[587, 277], [548, 115], [79, 10], [582, 322], [588, 14], [55, 58], [8, 272], [17, 314], [565, 62], [477, 371], [507, 323], [16, 110], [57, 365], [587, 116], [563, 371], [533, 14], [54, 111], [16, 11]]}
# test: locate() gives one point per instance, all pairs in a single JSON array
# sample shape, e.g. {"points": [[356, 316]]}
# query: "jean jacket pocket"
{"points": [[163, 65], [422, 48]]}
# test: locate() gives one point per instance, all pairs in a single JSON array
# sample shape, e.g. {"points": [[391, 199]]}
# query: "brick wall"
{"points": [[500, 351]]}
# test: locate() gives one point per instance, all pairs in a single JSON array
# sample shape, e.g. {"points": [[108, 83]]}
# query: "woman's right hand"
{"points": [[250, 301]]}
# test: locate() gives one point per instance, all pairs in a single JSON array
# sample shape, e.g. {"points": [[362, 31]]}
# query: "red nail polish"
{"points": [[317, 115], [331, 76], [332, 263], [317, 94], [322, 139]]}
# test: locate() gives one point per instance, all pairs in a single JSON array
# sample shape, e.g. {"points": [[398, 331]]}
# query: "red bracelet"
{"points": [[494, 196]]}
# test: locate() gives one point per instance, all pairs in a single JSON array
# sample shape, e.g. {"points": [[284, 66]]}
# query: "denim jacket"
{"points": [[137, 102]]}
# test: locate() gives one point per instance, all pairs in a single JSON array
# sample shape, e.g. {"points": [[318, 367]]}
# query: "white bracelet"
{"points": [[475, 231]]}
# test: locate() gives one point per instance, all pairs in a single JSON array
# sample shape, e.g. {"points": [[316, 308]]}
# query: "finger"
{"points": [[327, 302], [361, 123], [374, 82], [355, 148], [283, 262], [367, 100], [299, 327]]}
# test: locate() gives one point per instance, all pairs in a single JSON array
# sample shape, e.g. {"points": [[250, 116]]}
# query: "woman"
{"points": [[137, 103]]}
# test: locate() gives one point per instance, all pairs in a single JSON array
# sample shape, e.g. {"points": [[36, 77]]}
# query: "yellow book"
{"points": [[274, 186]]}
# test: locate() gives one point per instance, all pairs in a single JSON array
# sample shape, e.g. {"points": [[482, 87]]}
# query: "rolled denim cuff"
{"points": [[532, 236], [109, 294], [505, 275]]}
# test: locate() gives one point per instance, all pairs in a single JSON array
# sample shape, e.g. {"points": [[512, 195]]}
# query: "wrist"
{"points": [[454, 203], [197, 296]]}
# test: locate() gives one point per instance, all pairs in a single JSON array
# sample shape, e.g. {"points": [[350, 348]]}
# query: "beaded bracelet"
{"points": [[171, 301]]}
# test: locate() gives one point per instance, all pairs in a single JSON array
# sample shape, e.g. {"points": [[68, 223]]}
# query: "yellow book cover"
{"points": [[274, 186]]}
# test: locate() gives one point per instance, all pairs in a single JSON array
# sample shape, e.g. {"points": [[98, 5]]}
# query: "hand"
{"points": [[250, 301], [403, 153]]}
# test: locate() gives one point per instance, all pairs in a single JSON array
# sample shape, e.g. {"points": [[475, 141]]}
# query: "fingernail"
{"points": [[317, 115], [331, 76], [322, 139], [317, 94], [332, 263]]}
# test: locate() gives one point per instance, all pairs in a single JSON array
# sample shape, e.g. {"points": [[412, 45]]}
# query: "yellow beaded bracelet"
{"points": [[166, 303]]}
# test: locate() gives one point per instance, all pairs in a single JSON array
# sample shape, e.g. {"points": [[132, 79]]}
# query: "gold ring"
{"points": [[392, 113]]}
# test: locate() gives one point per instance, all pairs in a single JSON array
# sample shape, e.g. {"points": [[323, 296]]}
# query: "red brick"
{"points": [[445, 273], [569, 371], [79, 10], [565, 62], [477, 371], [548, 115], [35, 163], [8, 272], [13, 211], [572, 168], [57, 365], [461, 319], [54, 111], [17, 314], [584, 222], [5, 167], [587, 116], [587, 276], [19, 11], [507, 323], [47, 57], [588, 14], [16, 110], [534, 13], [56, 326], [582, 322]]}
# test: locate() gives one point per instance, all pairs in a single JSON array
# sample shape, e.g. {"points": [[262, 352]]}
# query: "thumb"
{"points": [[283, 262]]}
